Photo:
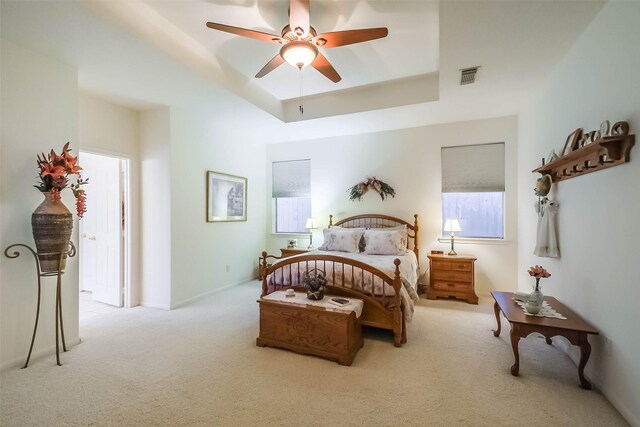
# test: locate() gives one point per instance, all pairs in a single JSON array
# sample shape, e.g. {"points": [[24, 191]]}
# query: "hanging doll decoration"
{"points": [[546, 236]]}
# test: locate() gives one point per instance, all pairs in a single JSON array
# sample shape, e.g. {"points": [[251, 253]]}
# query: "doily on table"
{"points": [[545, 311]]}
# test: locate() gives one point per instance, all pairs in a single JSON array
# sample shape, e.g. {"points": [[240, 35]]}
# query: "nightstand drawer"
{"points": [[451, 265], [459, 276], [451, 286], [287, 252], [461, 266], [441, 265]]}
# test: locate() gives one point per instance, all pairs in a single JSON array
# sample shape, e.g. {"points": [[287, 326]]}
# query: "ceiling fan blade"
{"points": [[299, 17], [321, 64], [342, 38], [275, 62], [265, 37]]}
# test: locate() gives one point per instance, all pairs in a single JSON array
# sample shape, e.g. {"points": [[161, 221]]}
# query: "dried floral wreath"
{"points": [[357, 191]]}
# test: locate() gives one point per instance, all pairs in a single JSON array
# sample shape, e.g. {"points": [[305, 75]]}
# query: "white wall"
{"points": [[39, 111], [112, 130], [597, 274], [155, 154], [201, 251], [409, 161]]}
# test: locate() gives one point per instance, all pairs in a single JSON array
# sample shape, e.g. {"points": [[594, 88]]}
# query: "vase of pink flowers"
{"points": [[52, 222], [534, 305]]}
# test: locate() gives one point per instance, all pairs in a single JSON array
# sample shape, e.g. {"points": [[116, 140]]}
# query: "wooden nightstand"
{"points": [[452, 276], [287, 252]]}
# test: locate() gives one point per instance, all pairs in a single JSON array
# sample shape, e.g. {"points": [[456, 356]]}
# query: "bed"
{"points": [[386, 283]]}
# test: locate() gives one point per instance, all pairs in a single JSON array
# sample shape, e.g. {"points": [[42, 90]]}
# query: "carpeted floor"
{"points": [[198, 365]]}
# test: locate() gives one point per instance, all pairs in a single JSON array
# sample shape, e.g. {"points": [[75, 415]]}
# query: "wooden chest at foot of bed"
{"points": [[324, 332]]}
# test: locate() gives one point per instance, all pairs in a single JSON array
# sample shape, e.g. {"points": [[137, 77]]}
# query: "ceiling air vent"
{"points": [[468, 75]]}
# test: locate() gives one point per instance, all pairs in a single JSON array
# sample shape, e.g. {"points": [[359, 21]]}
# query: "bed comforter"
{"points": [[362, 282]]}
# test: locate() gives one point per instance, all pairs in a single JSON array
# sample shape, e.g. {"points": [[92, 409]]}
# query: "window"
{"points": [[292, 214], [473, 189], [291, 190]]}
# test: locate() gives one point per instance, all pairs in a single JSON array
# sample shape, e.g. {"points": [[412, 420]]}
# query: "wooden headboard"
{"points": [[381, 221]]}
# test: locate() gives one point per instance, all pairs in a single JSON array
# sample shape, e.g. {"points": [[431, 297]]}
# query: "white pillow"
{"points": [[342, 239], [398, 227], [361, 244], [385, 241]]}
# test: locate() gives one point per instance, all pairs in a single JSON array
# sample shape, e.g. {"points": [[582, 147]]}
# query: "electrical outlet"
{"points": [[228, 268]]}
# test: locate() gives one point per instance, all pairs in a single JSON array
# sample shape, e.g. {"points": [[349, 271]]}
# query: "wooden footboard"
{"points": [[382, 307]]}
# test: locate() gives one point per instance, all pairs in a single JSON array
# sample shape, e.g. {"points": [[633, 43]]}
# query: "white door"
{"points": [[101, 229]]}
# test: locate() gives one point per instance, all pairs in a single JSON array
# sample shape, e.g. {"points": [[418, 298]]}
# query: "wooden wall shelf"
{"points": [[601, 154]]}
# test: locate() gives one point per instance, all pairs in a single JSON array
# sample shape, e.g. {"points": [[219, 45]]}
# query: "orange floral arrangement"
{"points": [[54, 176], [538, 272]]}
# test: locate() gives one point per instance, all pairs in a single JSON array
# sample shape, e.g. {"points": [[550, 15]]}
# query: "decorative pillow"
{"points": [[385, 241], [398, 227], [342, 239], [361, 244]]}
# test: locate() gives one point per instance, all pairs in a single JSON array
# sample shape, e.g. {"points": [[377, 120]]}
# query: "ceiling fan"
{"points": [[300, 41]]}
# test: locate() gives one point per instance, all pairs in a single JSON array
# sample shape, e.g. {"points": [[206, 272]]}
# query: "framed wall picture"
{"points": [[226, 197], [573, 142]]}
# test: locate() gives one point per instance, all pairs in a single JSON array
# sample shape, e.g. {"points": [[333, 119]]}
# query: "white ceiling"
{"points": [[143, 54], [412, 39]]}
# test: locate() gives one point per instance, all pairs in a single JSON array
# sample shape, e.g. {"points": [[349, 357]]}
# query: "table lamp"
{"points": [[452, 225], [311, 225]]}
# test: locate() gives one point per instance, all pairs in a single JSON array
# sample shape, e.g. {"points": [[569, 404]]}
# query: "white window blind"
{"points": [[292, 214], [291, 178], [473, 168]]}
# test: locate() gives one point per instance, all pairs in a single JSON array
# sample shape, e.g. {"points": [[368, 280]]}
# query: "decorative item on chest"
{"points": [[315, 282]]}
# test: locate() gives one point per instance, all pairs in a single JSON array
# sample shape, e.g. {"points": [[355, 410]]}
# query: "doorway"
{"points": [[104, 238]]}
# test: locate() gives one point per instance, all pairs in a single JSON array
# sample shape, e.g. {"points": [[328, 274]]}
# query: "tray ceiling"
{"points": [[159, 53], [410, 49]]}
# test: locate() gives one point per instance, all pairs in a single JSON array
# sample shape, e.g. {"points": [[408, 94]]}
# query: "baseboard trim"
{"points": [[204, 294], [624, 411], [574, 354], [38, 354], [152, 305]]}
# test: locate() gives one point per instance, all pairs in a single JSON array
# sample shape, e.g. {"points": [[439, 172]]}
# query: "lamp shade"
{"points": [[311, 224], [299, 53], [452, 225]]}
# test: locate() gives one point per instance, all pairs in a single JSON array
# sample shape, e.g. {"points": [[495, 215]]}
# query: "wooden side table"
{"points": [[452, 276], [287, 252], [573, 328]]}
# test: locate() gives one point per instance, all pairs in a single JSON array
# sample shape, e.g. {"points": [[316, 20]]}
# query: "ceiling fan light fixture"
{"points": [[299, 41], [299, 53]]}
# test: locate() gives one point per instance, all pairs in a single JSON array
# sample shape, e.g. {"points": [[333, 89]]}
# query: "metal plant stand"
{"points": [[71, 252]]}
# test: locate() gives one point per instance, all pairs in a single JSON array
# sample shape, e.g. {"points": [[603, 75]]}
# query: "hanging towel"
{"points": [[547, 239]]}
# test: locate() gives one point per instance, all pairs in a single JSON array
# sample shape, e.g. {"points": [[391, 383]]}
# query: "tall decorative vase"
{"points": [[51, 224]]}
